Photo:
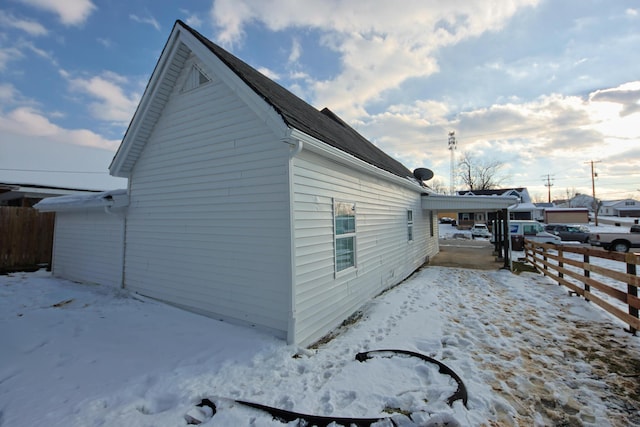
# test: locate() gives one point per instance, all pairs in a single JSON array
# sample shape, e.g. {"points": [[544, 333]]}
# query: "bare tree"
{"points": [[479, 175], [438, 186]]}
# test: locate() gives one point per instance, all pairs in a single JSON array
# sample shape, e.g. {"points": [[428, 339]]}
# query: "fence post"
{"points": [[587, 273], [631, 288], [544, 257], [560, 265]]}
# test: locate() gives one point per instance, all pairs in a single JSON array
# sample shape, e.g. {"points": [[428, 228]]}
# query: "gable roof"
{"points": [[323, 125], [520, 192]]}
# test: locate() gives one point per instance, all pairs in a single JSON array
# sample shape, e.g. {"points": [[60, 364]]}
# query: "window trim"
{"points": [[348, 235], [410, 225]]}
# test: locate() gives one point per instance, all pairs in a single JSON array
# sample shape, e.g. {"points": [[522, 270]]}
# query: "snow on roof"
{"points": [[113, 198]]}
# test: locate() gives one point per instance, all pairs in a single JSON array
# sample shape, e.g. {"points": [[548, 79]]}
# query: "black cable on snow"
{"points": [[324, 421], [461, 391]]}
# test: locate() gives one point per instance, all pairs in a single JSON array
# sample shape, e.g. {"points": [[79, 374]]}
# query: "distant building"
{"points": [[620, 208], [566, 215], [524, 209]]}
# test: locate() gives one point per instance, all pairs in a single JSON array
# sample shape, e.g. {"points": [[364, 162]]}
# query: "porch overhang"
{"points": [[440, 202]]}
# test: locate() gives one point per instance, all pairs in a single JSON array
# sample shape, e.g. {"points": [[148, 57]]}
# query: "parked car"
{"points": [[531, 230], [480, 230], [619, 242], [447, 220], [569, 232]]}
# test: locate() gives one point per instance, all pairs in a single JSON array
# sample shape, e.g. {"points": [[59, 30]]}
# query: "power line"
{"points": [[49, 171]]}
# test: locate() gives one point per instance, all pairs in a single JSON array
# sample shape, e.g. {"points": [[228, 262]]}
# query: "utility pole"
{"points": [[549, 184], [594, 175], [452, 149]]}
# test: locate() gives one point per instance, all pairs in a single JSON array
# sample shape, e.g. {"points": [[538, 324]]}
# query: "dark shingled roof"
{"points": [[296, 113], [494, 192]]}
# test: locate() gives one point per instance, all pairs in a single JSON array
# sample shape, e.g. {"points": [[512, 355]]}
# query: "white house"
{"points": [[249, 205], [521, 208], [621, 208]]}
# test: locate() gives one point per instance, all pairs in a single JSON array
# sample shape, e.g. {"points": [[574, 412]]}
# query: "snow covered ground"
{"points": [[528, 353]]}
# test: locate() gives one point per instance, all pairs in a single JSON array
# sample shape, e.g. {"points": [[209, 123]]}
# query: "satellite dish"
{"points": [[423, 174]]}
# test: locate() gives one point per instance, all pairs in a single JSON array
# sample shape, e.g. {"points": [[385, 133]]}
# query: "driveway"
{"points": [[466, 253]]}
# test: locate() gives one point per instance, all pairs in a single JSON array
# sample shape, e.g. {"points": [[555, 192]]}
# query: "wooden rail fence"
{"points": [[26, 238], [576, 267]]}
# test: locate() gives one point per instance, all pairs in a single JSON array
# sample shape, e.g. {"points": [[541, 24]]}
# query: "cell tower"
{"points": [[452, 149]]}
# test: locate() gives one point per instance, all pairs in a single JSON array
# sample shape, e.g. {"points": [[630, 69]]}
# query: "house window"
{"points": [[410, 225], [344, 214], [631, 203]]}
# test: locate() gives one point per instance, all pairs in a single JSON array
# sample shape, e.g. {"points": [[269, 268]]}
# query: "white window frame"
{"points": [[409, 225], [343, 236]]}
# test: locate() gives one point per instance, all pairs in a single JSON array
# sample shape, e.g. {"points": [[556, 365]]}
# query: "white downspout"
{"points": [[123, 215], [291, 324]]}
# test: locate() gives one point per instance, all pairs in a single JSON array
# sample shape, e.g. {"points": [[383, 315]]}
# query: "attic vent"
{"points": [[195, 78]]}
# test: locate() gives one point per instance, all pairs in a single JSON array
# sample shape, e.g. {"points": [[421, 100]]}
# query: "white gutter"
{"points": [[106, 200], [466, 203]]}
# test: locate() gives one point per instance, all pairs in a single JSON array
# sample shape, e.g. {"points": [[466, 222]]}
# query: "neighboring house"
{"points": [[577, 201], [247, 204], [620, 208], [522, 209], [27, 195]]}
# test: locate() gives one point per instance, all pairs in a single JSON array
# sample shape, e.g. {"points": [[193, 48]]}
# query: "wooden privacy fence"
{"points": [[26, 238], [608, 279]]}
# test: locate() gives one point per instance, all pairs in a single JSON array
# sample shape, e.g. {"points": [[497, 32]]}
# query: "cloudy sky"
{"points": [[544, 87]]}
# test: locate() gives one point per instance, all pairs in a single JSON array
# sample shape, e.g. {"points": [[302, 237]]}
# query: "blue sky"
{"points": [[545, 87]]}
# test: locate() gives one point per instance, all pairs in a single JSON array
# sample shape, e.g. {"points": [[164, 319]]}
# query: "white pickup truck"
{"points": [[619, 242]]}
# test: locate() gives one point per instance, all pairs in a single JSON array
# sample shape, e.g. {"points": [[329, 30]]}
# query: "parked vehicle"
{"points": [[480, 230], [619, 242], [570, 232], [447, 220], [531, 230]]}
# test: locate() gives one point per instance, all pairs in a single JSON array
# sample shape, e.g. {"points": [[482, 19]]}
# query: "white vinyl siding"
{"points": [[208, 225], [88, 247], [323, 300]]}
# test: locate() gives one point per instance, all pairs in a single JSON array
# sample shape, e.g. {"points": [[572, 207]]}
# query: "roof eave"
{"points": [[316, 146]]}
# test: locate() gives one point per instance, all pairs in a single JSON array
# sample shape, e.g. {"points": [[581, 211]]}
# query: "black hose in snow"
{"points": [[322, 421]]}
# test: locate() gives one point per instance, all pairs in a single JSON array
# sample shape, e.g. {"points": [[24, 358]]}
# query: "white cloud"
{"points": [[28, 121], [269, 73], [192, 19], [105, 42], [555, 134], [31, 27], [8, 93], [296, 51], [376, 54], [150, 20], [111, 100], [70, 12], [7, 55]]}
